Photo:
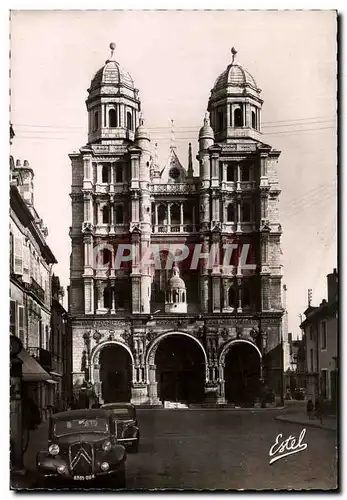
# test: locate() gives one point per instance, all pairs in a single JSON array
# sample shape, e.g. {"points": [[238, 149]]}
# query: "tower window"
{"points": [[119, 174], [119, 214], [105, 174], [230, 172], [105, 215], [96, 121], [254, 120], [112, 118], [129, 121], [220, 120], [238, 120], [231, 212], [245, 172], [246, 211], [232, 297], [106, 256], [108, 298]]}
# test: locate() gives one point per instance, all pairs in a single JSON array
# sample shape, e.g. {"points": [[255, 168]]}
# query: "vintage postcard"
{"points": [[173, 250]]}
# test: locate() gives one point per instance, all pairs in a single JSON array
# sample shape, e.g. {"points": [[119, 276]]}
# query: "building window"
{"points": [[21, 325], [311, 361], [13, 317], [105, 215], [129, 121], [238, 119], [231, 171], [108, 298], [254, 120], [112, 118], [311, 332], [220, 120], [232, 297], [245, 173], [106, 256], [119, 214], [11, 253], [119, 174], [323, 335], [231, 212], [246, 211], [324, 383], [246, 297], [96, 121], [105, 174]]}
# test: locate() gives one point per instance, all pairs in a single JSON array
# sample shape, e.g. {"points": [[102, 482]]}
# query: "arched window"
{"points": [[238, 120], [112, 118], [245, 172], [232, 297], [119, 214], [96, 121], [254, 120], [175, 296], [106, 214], [119, 174], [220, 120], [246, 211], [183, 297], [230, 172], [105, 174], [129, 121], [106, 256], [231, 212], [246, 297], [108, 298]]}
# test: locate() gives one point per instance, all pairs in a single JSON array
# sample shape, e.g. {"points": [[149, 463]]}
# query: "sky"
{"points": [[174, 58]]}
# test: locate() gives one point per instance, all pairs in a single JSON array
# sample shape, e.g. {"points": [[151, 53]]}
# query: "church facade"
{"points": [[200, 319]]}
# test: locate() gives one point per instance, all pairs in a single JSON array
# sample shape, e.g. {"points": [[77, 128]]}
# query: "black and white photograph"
{"points": [[173, 257]]}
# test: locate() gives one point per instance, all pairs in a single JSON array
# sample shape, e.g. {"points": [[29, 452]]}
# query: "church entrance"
{"points": [[242, 374], [180, 370], [115, 374]]}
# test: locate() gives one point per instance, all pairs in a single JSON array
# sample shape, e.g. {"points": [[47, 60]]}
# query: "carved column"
{"points": [[238, 215], [239, 293], [181, 217]]}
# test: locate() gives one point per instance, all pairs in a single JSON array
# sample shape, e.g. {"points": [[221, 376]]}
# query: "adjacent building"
{"points": [[188, 329], [321, 344], [31, 263]]}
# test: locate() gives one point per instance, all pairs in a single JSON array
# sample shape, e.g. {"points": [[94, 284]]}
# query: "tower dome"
{"points": [[235, 104], [142, 133], [176, 281], [113, 104]]}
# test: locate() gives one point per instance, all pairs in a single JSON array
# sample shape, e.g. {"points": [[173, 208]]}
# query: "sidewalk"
{"points": [[37, 442], [329, 421]]}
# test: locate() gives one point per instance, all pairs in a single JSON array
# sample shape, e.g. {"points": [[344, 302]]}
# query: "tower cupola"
{"points": [[176, 295], [235, 104], [113, 104]]}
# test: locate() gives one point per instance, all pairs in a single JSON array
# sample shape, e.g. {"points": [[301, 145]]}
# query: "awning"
{"points": [[55, 374], [32, 371]]}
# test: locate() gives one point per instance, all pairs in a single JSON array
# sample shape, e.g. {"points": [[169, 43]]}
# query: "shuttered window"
{"points": [[21, 322], [18, 256], [13, 317], [26, 264]]}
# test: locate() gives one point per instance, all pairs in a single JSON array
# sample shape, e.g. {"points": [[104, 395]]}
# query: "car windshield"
{"points": [[63, 427], [122, 413]]}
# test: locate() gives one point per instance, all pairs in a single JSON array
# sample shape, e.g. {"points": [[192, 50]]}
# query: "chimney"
{"points": [[332, 284]]}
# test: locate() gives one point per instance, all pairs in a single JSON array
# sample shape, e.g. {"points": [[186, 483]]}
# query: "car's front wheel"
{"points": [[119, 479], [134, 447]]}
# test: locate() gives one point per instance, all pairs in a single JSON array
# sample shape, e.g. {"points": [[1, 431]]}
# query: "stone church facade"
{"points": [[149, 333]]}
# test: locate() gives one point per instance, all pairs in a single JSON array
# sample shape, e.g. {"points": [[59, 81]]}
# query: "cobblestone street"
{"points": [[219, 449]]}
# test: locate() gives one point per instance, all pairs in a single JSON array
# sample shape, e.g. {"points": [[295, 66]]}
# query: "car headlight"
{"points": [[62, 469], [106, 445], [104, 466], [53, 449]]}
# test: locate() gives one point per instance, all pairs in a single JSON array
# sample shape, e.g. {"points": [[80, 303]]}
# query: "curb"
{"points": [[306, 423], [216, 408]]}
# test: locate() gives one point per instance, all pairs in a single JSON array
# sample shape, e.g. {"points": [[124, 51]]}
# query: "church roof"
{"points": [[173, 163]]}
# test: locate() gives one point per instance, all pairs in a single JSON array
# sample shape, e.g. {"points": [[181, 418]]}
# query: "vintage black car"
{"points": [[82, 446], [128, 433]]}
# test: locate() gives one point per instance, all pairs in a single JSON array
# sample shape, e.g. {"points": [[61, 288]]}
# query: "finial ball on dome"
{"points": [[112, 45]]}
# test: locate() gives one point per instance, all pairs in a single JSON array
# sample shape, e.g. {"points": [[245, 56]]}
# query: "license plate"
{"points": [[84, 478]]}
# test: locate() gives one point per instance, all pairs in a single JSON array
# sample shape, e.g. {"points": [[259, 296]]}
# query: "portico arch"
{"points": [[112, 370], [176, 368], [240, 364]]}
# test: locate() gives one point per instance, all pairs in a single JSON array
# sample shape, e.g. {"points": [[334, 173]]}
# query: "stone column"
{"points": [[238, 216], [221, 396], [169, 215], [238, 180], [239, 293], [88, 296], [99, 291], [113, 307], [97, 383], [156, 215], [181, 217], [153, 385]]}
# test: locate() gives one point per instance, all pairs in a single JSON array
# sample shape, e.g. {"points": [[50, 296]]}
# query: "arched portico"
{"points": [[174, 360], [240, 366], [112, 364]]}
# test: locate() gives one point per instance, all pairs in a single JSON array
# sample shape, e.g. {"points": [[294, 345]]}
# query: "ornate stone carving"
{"points": [[126, 336], [97, 336], [239, 332], [150, 335], [225, 333], [87, 228]]}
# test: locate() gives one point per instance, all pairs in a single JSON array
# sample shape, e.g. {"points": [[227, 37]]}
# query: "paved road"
{"points": [[225, 449]]}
